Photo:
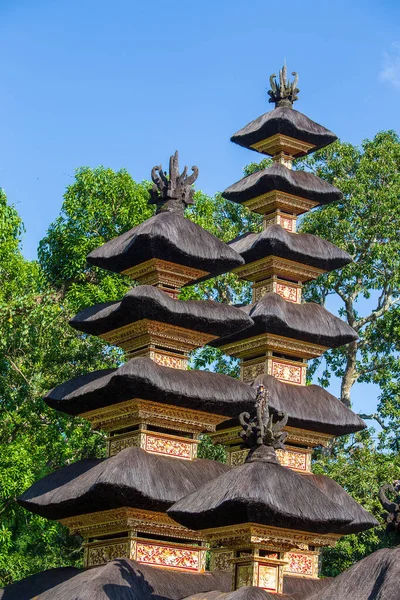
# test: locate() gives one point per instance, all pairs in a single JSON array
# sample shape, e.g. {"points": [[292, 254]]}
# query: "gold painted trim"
{"points": [[269, 342], [276, 200], [140, 438], [146, 332], [137, 411], [278, 143], [281, 267], [278, 286], [131, 520], [274, 538], [161, 272], [304, 437]]}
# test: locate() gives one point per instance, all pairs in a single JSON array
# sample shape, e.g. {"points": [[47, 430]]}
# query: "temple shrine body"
{"points": [[156, 521]]}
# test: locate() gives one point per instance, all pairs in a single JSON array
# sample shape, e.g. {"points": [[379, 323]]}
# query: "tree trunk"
{"points": [[350, 374]]}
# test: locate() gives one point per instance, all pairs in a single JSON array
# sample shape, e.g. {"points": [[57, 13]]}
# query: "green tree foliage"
{"points": [[361, 470], [38, 349], [366, 224], [98, 206]]}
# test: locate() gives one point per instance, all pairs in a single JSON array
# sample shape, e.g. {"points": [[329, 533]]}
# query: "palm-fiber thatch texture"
{"points": [[286, 121], [260, 491], [167, 236], [310, 407], [120, 579], [303, 248], [308, 322], [280, 178], [148, 302], [143, 378], [132, 478]]}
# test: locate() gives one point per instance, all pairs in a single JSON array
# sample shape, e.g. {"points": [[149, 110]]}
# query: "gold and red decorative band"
{"points": [[167, 275]]}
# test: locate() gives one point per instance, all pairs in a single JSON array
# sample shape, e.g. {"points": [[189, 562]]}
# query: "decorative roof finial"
{"points": [[283, 93], [173, 192], [261, 430], [392, 516]]}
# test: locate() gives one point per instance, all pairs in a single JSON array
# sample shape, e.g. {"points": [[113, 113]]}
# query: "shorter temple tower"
{"points": [[254, 514]]}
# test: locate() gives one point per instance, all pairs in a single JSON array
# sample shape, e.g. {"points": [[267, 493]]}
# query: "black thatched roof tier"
{"points": [[304, 248], [148, 302], [120, 579], [167, 236], [300, 588], [132, 478], [308, 322], [280, 178], [362, 519], [375, 577], [260, 492], [145, 379], [243, 593], [284, 121], [310, 407], [33, 586]]}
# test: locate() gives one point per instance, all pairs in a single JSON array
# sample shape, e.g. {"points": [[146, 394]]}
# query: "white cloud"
{"points": [[390, 71]]}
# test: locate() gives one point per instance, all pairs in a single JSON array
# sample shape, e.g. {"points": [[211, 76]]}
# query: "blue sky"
{"points": [[125, 83]]}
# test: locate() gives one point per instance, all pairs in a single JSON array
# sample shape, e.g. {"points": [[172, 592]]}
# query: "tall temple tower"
{"points": [[264, 515]]}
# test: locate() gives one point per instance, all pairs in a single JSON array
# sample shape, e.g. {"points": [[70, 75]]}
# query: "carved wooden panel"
{"points": [[169, 446], [99, 555], [244, 575], [221, 561], [285, 371], [268, 577], [168, 556], [302, 564]]}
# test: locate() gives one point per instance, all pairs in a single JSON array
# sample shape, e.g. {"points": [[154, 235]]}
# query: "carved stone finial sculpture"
{"points": [[261, 430], [173, 192], [283, 93], [392, 507]]}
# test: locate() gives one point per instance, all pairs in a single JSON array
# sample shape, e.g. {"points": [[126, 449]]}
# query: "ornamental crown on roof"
{"points": [[285, 92], [175, 192], [261, 429]]}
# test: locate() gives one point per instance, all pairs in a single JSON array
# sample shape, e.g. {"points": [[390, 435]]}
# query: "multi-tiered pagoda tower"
{"points": [[150, 511]]}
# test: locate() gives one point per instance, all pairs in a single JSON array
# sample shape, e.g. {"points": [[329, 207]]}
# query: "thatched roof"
{"points": [[243, 593], [299, 588], [120, 579], [131, 478], [310, 407], [34, 585], [168, 236], [362, 519], [145, 379], [278, 177], [148, 302], [285, 121], [308, 322], [376, 577], [262, 492], [304, 248]]}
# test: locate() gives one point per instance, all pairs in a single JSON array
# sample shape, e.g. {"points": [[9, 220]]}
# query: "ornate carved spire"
{"points": [[392, 516], [173, 192], [283, 93], [260, 432]]}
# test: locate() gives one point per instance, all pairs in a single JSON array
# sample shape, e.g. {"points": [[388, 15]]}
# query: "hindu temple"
{"points": [[156, 521]]}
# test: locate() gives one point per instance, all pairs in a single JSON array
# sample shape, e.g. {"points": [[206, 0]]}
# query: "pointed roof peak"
{"points": [[260, 433], [172, 192], [284, 92]]}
